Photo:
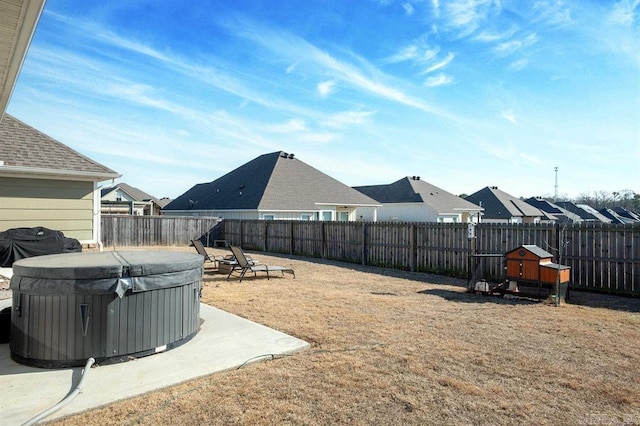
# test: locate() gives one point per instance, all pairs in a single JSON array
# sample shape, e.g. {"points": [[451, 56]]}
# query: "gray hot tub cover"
{"points": [[105, 272]]}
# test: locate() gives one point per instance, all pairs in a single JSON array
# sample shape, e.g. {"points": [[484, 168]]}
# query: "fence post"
{"points": [[264, 236], [323, 241], [291, 242], [364, 243], [413, 252]]}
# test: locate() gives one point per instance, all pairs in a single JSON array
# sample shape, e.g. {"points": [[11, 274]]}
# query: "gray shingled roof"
{"points": [[538, 251], [414, 190], [498, 204], [270, 182], [23, 148], [135, 193]]}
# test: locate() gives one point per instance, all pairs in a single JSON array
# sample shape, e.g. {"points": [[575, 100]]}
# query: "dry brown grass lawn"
{"points": [[391, 347]]}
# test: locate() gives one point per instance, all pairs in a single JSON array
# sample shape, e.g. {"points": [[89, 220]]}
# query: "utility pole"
{"points": [[555, 195]]}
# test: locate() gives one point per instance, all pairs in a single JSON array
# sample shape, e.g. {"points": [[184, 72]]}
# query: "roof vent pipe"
{"points": [[291, 156]]}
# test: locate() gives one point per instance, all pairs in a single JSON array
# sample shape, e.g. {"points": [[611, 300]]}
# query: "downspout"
{"points": [[96, 215]]}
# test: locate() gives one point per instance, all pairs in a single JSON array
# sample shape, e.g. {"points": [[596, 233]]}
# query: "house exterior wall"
{"points": [[336, 214], [117, 195], [416, 212], [61, 205], [119, 202], [513, 219], [123, 207]]}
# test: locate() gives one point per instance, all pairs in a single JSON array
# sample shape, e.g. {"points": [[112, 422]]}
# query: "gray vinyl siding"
{"points": [[61, 205]]}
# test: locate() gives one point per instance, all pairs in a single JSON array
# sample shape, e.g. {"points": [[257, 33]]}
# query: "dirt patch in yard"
{"points": [[392, 347]]}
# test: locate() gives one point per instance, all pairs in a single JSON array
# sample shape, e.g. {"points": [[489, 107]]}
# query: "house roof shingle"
{"points": [[274, 181], [414, 190], [24, 149], [135, 193], [498, 204]]}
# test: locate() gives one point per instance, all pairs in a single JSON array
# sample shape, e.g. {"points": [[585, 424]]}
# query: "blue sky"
{"points": [[464, 93]]}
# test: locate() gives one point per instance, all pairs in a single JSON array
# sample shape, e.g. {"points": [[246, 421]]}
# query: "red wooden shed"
{"points": [[531, 264]]}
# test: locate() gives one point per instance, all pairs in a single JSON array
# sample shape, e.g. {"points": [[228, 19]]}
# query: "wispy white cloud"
{"points": [[510, 153], [348, 118], [326, 88], [208, 73], [438, 80], [509, 116], [466, 16], [291, 126], [436, 7], [364, 77], [408, 8], [405, 54], [518, 64], [490, 37], [511, 46], [419, 53], [552, 13], [625, 13], [441, 64]]}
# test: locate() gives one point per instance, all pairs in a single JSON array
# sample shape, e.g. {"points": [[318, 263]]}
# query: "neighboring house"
{"points": [[554, 212], [584, 214], [126, 199], [18, 21], [615, 217], [411, 199], [274, 186], [164, 201], [599, 216], [621, 211], [500, 207], [45, 183]]}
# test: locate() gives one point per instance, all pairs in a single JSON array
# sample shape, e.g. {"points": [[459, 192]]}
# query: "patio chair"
{"points": [[203, 252], [245, 265]]}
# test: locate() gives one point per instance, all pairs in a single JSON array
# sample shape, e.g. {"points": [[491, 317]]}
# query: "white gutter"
{"points": [[39, 173], [25, 28], [348, 204]]}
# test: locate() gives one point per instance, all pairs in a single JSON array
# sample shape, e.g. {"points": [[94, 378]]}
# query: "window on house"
{"points": [[305, 217], [268, 217], [327, 216], [343, 216]]}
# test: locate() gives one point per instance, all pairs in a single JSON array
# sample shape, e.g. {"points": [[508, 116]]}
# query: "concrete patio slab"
{"points": [[225, 341]]}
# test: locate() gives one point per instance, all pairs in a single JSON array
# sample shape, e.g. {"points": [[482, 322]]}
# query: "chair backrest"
{"points": [[200, 248], [239, 255]]}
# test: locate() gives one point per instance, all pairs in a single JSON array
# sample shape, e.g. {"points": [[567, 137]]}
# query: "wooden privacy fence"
{"points": [[123, 231], [602, 257]]}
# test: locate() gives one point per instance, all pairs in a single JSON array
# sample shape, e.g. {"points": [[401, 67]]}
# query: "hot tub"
{"points": [[112, 306]]}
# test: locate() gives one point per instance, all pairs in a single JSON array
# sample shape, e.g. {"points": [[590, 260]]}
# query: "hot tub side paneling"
{"points": [[51, 328], [62, 331], [151, 319]]}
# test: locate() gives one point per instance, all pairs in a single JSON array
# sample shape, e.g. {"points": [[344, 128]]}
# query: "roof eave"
{"points": [[348, 204], [29, 16], [40, 173]]}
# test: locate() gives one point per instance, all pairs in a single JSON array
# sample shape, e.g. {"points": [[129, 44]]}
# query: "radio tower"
{"points": [[555, 194]]}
